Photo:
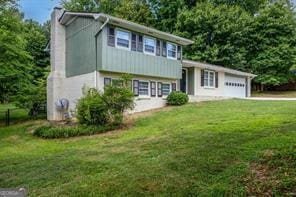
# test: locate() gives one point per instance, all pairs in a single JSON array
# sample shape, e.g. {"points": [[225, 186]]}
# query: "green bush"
{"points": [[107, 108], [177, 98], [91, 108], [51, 132]]}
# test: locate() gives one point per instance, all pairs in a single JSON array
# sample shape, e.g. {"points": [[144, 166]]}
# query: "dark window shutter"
{"points": [[107, 81], [140, 43], [111, 37], [202, 76], [164, 49], [216, 79], [134, 42], [179, 53], [159, 89], [136, 87], [153, 88], [158, 47], [174, 87]]}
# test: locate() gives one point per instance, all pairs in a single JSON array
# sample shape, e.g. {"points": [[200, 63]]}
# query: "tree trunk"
{"points": [[262, 87]]}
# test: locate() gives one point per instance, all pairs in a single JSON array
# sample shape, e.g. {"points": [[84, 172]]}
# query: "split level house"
{"points": [[95, 49]]}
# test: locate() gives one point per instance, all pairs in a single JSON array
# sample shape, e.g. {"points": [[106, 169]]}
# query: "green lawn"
{"points": [[233, 147], [16, 114], [275, 94]]}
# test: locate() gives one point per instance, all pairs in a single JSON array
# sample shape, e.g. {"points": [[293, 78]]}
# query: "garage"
{"points": [[235, 86]]}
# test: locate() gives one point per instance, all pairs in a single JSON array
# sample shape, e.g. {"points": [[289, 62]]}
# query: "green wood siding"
{"points": [[80, 46], [125, 61], [81, 54]]}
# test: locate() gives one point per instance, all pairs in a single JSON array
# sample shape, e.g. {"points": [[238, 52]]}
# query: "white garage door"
{"points": [[235, 86]]}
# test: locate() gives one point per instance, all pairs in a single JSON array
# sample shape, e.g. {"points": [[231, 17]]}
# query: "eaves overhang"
{"points": [[67, 16], [190, 63]]}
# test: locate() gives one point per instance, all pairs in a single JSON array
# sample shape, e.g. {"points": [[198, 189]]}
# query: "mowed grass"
{"points": [[233, 147], [16, 114], [275, 94]]}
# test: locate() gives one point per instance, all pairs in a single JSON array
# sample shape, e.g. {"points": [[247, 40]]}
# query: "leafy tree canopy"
{"points": [[15, 61], [271, 44], [217, 32]]}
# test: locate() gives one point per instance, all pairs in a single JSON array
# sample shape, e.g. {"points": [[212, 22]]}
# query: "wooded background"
{"points": [[257, 36]]}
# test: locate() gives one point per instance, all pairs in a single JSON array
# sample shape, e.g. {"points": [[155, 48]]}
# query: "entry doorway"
{"points": [[184, 81]]}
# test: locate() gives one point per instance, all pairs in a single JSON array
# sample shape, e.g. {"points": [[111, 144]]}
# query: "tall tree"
{"points": [[166, 12], [251, 6], [33, 96], [135, 10], [272, 44], [15, 61], [217, 32], [105, 6], [35, 35]]}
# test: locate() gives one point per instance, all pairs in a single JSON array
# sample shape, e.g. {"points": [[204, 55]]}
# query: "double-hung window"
{"points": [[209, 78], [165, 89], [172, 51], [149, 45], [122, 39], [143, 88]]}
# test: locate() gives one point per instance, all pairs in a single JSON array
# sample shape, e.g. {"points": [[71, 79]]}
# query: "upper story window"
{"points": [[149, 45], [172, 51], [122, 39]]}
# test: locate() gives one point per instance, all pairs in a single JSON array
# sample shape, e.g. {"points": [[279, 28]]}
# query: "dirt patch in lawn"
{"points": [[273, 174], [260, 181]]}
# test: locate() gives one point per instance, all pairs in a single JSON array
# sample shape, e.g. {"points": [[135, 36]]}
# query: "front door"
{"points": [[183, 81]]}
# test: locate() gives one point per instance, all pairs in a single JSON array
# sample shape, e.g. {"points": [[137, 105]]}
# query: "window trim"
{"points": [[121, 47], [144, 96], [148, 53], [167, 50], [214, 82]]}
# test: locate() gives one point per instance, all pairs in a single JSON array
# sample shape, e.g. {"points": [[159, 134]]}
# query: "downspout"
{"points": [[96, 47]]}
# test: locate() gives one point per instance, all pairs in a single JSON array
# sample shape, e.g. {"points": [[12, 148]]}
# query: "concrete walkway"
{"points": [[271, 99]]}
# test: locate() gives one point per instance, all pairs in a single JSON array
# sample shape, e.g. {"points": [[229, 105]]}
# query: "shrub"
{"points": [[91, 109], [107, 108], [117, 99], [51, 132], [177, 98]]}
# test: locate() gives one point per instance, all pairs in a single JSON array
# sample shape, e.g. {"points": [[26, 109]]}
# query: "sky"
{"points": [[40, 10]]}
